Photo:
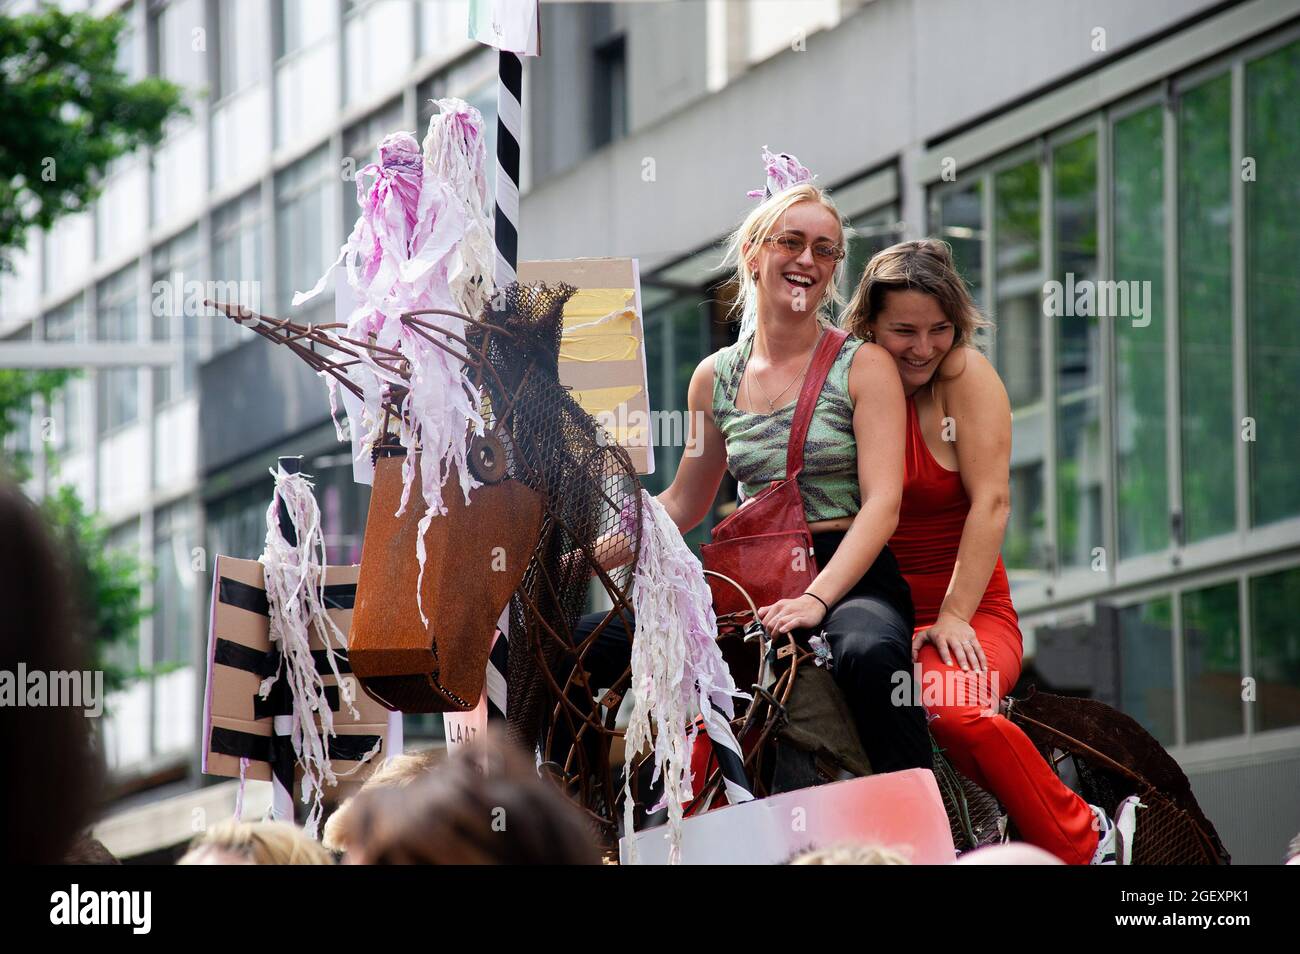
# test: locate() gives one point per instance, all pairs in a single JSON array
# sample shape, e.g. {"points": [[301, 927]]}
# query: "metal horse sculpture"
{"points": [[536, 435]]}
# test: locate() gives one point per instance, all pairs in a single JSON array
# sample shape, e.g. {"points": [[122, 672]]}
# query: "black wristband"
{"points": [[819, 600]]}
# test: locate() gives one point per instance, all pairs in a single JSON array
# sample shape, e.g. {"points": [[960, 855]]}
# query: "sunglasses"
{"points": [[794, 245]]}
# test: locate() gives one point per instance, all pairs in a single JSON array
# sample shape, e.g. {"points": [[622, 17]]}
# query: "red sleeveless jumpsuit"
{"points": [[985, 747]]}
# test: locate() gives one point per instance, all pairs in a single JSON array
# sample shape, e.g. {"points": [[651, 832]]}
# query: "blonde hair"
{"points": [[756, 229], [924, 265], [258, 843], [395, 772], [851, 854]]}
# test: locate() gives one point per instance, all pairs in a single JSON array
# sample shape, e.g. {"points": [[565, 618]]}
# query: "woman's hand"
{"points": [[954, 639], [802, 612]]}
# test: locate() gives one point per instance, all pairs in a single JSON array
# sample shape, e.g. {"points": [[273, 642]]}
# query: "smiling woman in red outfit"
{"points": [[956, 501]]}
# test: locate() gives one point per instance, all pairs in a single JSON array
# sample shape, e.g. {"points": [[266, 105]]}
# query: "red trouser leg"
{"points": [[996, 754]]}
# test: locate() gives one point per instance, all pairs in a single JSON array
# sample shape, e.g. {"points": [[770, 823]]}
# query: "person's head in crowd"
{"points": [[88, 850], [850, 853], [49, 748], [1012, 853], [395, 772], [484, 806], [255, 843]]}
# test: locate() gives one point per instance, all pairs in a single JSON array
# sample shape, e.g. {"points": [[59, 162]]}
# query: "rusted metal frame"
{"points": [[1088, 750], [478, 363], [562, 696]]}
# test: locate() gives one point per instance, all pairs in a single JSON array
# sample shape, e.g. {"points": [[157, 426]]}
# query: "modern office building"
{"points": [[1143, 156]]}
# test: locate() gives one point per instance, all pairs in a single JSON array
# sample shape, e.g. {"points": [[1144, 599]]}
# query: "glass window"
{"points": [[442, 25], [181, 45], [609, 102], [302, 23], [243, 30], [1272, 288], [236, 525], [20, 289], [69, 412], [177, 163], [118, 319], [1147, 666], [174, 313], [377, 45], [1212, 662], [957, 217], [125, 62], [175, 583], [68, 253], [873, 233], [1142, 488], [237, 264], [306, 242], [1018, 343], [1275, 648], [124, 541], [343, 507], [120, 213], [1080, 461], [306, 70], [68, 324], [1209, 431]]}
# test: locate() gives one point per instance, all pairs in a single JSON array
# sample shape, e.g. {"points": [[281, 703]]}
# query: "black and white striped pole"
{"points": [[510, 79]]}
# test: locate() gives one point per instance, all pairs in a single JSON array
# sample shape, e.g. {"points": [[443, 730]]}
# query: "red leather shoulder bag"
{"points": [[765, 546]]}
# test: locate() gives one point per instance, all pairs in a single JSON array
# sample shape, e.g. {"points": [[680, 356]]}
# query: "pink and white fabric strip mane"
{"points": [[422, 241], [783, 171], [677, 669], [294, 577]]}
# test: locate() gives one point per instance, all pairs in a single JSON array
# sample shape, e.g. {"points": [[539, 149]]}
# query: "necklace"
{"points": [[771, 402]]}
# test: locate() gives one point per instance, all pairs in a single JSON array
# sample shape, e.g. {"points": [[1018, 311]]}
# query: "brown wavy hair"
{"points": [[923, 265], [484, 806]]}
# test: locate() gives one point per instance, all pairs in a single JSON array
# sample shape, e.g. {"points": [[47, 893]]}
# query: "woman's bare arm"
{"points": [[977, 402], [699, 474], [880, 430]]}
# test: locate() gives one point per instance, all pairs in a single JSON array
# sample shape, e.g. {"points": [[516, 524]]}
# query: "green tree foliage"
{"points": [[66, 112]]}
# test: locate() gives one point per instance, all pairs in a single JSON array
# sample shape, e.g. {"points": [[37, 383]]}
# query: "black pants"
{"points": [[870, 635]]}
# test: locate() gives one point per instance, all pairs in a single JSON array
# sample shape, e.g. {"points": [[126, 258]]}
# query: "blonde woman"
{"points": [[788, 254]]}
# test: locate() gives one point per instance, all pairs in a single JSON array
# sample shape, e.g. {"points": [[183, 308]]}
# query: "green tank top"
{"points": [[756, 443]]}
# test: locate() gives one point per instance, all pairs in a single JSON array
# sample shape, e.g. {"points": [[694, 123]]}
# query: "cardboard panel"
{"points": [[602, 350], [239, 631]]}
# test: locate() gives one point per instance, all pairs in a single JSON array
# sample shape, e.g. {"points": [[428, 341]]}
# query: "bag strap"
{"points": [[827, 351]]}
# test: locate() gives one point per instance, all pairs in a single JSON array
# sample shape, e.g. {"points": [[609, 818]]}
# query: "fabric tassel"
{"points": [[239, 793], [677, 668], [295, 581]]}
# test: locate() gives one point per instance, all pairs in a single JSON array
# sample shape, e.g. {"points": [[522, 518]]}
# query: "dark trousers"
{"points": [[871, 643]]}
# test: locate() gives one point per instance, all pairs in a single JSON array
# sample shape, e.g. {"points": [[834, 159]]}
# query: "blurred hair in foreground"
{"points": [[483, 806]]}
